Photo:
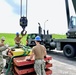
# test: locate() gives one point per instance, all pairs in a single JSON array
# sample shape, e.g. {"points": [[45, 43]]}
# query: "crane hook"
{"points": [[23, 24], [23, 32]]}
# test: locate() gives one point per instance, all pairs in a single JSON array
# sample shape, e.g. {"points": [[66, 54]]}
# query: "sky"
{"points": [[51, 14]]}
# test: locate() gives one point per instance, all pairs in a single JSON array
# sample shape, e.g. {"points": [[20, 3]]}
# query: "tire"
{"points": [[69, 51]]}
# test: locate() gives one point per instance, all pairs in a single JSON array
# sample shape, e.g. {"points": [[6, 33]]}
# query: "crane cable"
{"points": [[21, 9], [23, 19]]}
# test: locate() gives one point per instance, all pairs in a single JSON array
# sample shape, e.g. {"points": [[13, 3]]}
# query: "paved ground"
{"points": [[61, 64]]}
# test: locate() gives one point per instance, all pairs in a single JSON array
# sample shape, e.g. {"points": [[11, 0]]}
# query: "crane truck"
{"points": [[68, 45]]}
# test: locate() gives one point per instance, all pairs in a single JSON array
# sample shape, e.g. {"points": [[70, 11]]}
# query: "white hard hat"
{"points": [[3, 38]]}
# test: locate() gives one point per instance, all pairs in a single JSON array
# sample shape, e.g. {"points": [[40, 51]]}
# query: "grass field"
{"points": [[10, 38], [58, 36]]}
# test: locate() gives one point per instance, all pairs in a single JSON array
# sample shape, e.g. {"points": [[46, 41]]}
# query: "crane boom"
{"points": [[68, 10], [74, 4]]}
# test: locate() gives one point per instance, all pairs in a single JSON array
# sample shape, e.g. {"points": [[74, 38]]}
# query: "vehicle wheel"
{"points": [[69, 51]]}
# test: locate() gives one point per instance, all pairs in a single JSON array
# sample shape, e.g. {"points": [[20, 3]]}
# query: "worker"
{"points": [[39, 51], [17, 40], [3, 47]]}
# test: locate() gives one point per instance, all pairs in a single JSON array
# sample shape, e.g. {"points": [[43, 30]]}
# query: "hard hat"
{"points": [[17, 33], [37, 38], [3, 38]]}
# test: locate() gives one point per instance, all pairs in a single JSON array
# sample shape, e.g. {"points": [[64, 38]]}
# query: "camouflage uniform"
{"points": [[1, 58], [1, 63], [39, 67]]}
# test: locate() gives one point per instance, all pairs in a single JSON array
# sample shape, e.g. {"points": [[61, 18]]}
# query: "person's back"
{"points": [[17, 40], [39, 51]]}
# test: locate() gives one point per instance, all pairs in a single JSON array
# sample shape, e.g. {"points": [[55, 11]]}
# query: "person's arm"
{"points": [[9, 53], [3, 48], [15, 40], [32, 55], [45, 53], [1, 44]]}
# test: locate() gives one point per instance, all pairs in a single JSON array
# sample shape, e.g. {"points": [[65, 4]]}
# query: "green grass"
{"points": [[10, 38], [58, 36]]}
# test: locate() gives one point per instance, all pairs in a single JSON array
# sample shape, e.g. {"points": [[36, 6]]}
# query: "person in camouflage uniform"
{"points": [[39, 51], [2, 48]]}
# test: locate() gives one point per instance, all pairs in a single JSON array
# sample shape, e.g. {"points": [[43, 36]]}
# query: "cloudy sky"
{"points": [[37, 11]]}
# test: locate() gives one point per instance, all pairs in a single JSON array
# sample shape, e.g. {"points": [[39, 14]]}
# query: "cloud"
{"points": [[9, 21], [16, 6]]}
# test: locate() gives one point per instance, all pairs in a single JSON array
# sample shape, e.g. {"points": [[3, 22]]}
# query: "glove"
{"points": [[28, 59], [12, 49], [44, 56]]}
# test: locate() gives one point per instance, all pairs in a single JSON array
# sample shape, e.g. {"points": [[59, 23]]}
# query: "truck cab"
{"points": [[72, 28], [45, 40]]}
